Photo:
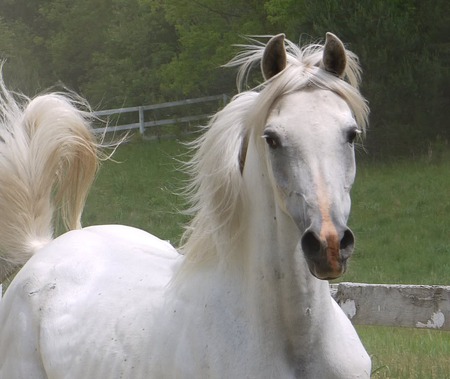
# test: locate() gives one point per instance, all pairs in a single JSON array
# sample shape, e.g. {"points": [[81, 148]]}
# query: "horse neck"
{"points": [[280, 287]]}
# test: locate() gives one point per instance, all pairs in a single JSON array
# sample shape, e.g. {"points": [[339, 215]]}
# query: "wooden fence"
{"points": [[140, 111], [414, 306]]}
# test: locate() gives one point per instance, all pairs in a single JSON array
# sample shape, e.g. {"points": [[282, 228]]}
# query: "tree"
{"points": [[21, 46], [207, 30], [75, 32], [127, 70], [129, 52], [401, 46]]}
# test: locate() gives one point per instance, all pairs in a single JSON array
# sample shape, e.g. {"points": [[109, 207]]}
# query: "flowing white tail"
{"points": [[48, 160]]}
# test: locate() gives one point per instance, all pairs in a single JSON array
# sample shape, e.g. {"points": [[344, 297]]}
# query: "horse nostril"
{"points": [[311, 244], [347, 241]]}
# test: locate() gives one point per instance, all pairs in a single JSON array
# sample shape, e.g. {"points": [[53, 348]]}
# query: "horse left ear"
{"points": [[334, 58], [274, 57]]}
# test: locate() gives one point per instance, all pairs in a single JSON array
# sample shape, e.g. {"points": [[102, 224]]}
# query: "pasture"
{"points": [[399, 216]]}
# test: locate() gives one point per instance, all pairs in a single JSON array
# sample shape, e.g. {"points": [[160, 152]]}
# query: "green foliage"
{"points": [[70, 38], [20, 46], [207, 30], [402, 48], [133, 52], [127, 70]]}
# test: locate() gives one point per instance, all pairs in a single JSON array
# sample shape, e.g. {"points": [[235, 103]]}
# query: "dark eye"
{"points": [[352, 134], [272, 140]]}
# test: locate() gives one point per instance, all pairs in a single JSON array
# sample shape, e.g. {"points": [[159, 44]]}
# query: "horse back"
{"points": [[87, 297]]}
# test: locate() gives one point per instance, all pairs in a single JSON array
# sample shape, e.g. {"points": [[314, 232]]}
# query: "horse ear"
{"points": [[274, 57], [334, 58]]}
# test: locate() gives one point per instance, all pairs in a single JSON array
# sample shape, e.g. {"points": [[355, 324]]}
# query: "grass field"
{"points": [[139, 188], [400, 217]]}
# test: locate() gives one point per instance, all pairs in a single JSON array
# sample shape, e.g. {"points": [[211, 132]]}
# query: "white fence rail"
{"points": [[413, 306], [141, 110]]}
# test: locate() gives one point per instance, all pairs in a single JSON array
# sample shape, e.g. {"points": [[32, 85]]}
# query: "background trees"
{"points": [[131, 52]]}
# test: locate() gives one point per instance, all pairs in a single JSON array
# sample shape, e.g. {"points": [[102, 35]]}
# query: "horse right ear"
{"points": [[274, 57]]}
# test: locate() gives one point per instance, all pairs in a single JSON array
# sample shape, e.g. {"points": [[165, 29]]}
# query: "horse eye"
{"points": [[351, 135], [272, 140]]}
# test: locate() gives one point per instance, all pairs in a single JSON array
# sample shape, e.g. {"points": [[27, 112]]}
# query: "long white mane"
{"points": [[215, 191]]}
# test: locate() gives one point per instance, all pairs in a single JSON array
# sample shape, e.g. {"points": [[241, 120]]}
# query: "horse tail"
{"points": [[48, 161]]}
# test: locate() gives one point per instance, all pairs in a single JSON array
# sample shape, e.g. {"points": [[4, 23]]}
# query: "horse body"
{"points": [[104, 309], [247, 298]]}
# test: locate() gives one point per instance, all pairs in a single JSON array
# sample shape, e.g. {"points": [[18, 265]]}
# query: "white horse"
{"points": [[248, 297]]}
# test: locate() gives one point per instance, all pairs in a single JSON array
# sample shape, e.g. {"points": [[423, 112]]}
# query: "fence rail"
{"points": [[415, 306], [142, 124]]}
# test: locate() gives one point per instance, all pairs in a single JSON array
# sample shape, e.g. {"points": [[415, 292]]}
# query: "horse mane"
{"points": [[215, 191]]}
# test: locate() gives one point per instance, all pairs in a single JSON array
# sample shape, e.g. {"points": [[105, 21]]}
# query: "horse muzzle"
{"points": [[327, 252]]}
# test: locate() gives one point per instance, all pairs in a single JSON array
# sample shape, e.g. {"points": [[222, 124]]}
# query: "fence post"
{"points": [[141, 121], [224, 99]]}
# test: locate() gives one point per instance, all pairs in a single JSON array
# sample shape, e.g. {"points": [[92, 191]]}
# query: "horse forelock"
{"points": [[302, 71], [215, 192]]}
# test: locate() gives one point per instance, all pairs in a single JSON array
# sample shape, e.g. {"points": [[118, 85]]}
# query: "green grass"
{"points": [[407, 353], [401, 219], [139, 188], [400, 216]]}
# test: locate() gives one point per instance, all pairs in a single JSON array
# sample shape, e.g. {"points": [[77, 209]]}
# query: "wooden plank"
{"points": [[416, 306]]}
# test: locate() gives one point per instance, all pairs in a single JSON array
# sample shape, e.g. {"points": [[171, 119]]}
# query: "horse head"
{"points": [[309, 138]]}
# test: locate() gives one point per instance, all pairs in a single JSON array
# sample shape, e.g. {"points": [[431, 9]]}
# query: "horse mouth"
{"points": [[327, 257], [324, 271]]}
